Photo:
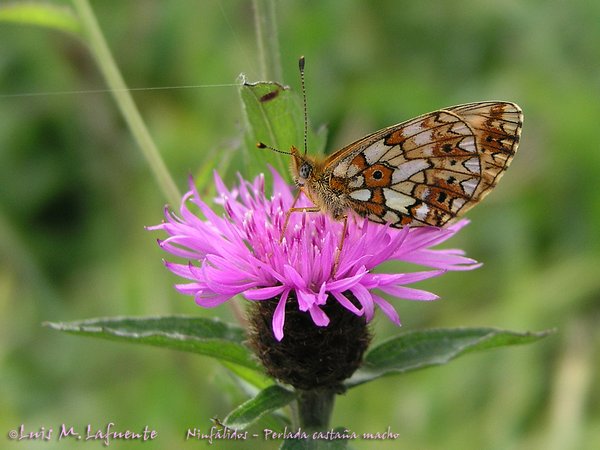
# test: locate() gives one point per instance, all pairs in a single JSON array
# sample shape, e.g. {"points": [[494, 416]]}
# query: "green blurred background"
{"points": [[75, 195]]}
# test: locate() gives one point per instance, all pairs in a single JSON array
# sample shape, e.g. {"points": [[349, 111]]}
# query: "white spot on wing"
{"points": [[342, 168], [352, 170], [391, 217], [363, 195], [460, 128], [473, 165], [469, 186], [421, 212], [408, 169], [374, 152], [468, 144], [458, 203], [423, 138], [398, 201], [412, 129], [375, 218], [356, 182], [427, 151]]}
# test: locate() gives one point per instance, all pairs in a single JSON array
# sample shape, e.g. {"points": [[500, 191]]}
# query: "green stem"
{"points": [[122, 96], [265, 22], [314, 409]]}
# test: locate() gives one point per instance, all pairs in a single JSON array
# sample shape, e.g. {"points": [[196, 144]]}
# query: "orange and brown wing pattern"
{"points": [[429, 170], [497, 129]]}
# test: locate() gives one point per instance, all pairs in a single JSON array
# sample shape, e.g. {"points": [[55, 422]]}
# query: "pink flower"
{"points": [[241, 252]]}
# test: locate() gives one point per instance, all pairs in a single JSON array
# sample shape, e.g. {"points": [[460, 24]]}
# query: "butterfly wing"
{"points": [[497, 129], [431, 169]]}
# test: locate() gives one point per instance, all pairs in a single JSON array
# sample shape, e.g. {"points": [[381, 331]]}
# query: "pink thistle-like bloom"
{"points": [[243, 252]]}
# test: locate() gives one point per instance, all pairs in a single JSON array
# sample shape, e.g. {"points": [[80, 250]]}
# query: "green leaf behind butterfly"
{"points": [[420, 349], [274, 115]]}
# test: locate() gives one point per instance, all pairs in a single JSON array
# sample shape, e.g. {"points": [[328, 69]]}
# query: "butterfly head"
{"points": [[302, 168]]}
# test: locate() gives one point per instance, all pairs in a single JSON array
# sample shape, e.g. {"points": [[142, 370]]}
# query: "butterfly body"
{"points": [[312, 176], [425, 171]]}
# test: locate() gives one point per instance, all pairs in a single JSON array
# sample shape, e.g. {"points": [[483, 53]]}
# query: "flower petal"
{"points": [[294, 277], [243, 251], [409, 293], [377, 280], [279, 316], [364, 297], [346, 283], [210, 300], [343, 300], [387, 308], [318, 316], [306, 299], [264, 293]]}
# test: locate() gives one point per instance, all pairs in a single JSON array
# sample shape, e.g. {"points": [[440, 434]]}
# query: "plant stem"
{"points": [[122, 96], [314, 409], [265, 22]]}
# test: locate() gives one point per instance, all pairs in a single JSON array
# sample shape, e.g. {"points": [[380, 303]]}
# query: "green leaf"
{"points": [[421, 349], [274, 115], [210, 337], [55, 17], [256, 378], [267, 400]]}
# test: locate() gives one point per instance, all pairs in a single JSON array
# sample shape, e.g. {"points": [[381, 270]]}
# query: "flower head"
{"points": [[243, 252]]}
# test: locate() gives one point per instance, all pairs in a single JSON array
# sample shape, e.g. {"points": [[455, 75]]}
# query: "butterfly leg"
{"points": [[287, 215], [293, 210], [340, 246]]}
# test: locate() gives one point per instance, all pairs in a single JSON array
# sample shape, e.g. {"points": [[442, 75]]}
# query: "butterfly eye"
{"points": [[305, 170]]}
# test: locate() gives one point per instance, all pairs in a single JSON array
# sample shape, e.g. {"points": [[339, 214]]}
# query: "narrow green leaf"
{"points": [[421, 349], [256, 378], [122, 96], [274, 115], [210, 337], [267, 400], [42, 14], [265, 24]]}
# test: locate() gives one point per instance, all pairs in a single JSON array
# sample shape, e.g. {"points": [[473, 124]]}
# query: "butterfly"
{"points": [[426, 171]]}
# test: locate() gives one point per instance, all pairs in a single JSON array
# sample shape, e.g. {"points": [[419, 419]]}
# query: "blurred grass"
{"points": [[75, 195]]}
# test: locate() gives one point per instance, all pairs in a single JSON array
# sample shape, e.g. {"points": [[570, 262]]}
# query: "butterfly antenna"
{"points": [[301, 67], [268, 147]]}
